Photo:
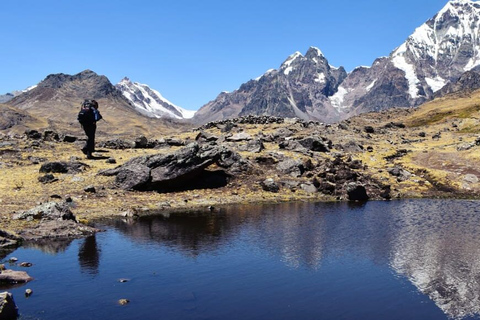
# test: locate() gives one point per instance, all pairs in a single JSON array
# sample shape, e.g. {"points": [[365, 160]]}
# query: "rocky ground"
{"points": [[48, 189]]}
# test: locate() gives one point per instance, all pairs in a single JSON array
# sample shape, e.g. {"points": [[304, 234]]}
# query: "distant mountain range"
{"points": [[308, 87], [440, 57], [58, 97]]}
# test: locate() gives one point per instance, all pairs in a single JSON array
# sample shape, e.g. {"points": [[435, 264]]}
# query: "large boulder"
{"points": [[164, 172]]}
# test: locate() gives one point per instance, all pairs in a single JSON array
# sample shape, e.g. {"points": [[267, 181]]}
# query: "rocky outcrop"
{"points": [[8, 308], [55, 221], [469, 81], [168, 172]]}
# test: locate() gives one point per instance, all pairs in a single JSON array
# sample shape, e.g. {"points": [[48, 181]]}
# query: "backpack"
{"points": [[86, 115]]}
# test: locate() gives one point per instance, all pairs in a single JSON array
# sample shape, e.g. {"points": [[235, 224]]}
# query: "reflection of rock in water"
{"points": [[49, 246], [192, 233], [438, 249], [89, 255]]}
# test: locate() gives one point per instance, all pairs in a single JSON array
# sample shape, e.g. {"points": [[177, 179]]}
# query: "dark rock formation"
{"points": [[63, 167], [356, 192], [8, 308], [176, 170]]}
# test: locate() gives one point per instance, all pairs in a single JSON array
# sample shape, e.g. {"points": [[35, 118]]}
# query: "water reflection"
{"points": [[435, 244], [89, 255], [49, 246]]}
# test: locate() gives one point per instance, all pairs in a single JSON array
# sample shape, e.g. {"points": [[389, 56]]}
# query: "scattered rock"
{"points": [[123, 280], [90, 189], [437, 136], [69, 138], [254, 146], [309, 188], [369, 129], [8, 308], [50, 135], [356, 192], [242, 136], [205, 137], [317, 144], [400, 173], [270, 185], [48, 178], [63, 167], [141, 142], [111, 161], [465, 147], [117, 144], [33, 134], [291, 167]]}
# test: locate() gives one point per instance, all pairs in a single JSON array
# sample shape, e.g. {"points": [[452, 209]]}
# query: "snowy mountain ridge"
{"points": [[150, 102], [437, 53]]}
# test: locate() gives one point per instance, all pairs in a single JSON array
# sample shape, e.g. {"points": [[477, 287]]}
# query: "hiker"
{"points": [[88, 117]]}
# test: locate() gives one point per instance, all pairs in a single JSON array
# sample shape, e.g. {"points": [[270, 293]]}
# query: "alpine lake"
{"points": [[405, 259]]}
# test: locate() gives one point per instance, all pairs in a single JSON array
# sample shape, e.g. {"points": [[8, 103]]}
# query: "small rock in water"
{"points": [[12, 259], [123, 302], [26, 264], [123, 280], [2, 267], [28, 292]]}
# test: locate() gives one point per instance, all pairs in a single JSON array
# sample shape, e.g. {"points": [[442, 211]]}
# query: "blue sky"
{"points": [[191, 50]]}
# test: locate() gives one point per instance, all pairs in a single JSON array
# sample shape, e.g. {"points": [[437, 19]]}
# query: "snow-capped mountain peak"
{"points": [[150, 102]]}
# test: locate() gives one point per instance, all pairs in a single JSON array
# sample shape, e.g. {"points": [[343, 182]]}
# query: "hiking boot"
{"points": [[89, 155], [84, 150]]}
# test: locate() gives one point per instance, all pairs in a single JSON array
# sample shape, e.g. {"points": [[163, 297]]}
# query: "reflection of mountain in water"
{"points": [[435, 244], [438, 249]]}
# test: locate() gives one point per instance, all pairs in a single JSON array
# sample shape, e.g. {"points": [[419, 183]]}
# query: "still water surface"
{"points": [[412, 259]]}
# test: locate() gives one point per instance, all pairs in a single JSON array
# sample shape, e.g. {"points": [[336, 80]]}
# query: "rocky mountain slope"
{"points": [[150, 102], [6, 97], [438, 52], [58, 97]]}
